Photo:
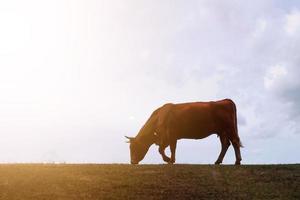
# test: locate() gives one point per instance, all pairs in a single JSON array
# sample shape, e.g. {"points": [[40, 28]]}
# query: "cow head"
{"points": [[138, 150]]}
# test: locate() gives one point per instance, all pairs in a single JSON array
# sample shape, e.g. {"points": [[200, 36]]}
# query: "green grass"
{"points": [[63, 181]]}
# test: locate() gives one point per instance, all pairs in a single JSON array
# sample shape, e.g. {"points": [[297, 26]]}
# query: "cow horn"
{"points": [[129, 138]]}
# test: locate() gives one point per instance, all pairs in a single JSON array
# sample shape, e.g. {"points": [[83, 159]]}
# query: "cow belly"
{"points": [[194, 132], [195, 135]]}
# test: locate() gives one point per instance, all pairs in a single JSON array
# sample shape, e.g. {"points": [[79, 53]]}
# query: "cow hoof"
{"points": [[217, 163], [171, 161], [167, 159], [237, 163]]}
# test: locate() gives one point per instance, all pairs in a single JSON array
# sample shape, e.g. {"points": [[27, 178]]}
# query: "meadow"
{"points": [[122, 181]]}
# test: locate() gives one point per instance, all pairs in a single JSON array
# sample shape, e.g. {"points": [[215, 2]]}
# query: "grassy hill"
{"points": [[61, 181]]}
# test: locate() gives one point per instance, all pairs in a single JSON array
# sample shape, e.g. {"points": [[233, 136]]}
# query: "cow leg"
{"points": [[173, 150], [162, 152], [225, 144], [236, 146]]}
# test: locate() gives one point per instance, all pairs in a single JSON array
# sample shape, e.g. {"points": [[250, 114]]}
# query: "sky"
{"points": [[76, 76]]}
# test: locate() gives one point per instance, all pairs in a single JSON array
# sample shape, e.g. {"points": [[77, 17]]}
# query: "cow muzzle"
{"points": [[134, 162]]}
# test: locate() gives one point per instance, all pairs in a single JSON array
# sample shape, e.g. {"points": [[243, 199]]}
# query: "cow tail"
{"points": [[236, 124]]}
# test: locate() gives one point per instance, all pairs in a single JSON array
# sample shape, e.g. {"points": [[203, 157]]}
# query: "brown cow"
{"points": [[197, 120]]}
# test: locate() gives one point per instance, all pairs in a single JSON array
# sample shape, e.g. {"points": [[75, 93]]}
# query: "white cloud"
{"points": [[292, 25], [261, 25], [274, 76]]}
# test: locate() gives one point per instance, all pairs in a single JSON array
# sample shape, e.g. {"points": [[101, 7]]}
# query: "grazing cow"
{"points": [[196, 120]]}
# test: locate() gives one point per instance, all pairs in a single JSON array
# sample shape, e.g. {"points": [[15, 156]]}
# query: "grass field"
{"points": [[63, 181]]}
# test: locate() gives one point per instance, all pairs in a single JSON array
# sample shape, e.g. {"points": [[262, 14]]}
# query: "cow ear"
{"points": [[129, 137]]}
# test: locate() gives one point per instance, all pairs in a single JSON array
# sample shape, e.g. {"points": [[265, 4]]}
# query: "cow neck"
{"points": [[146, 134]]}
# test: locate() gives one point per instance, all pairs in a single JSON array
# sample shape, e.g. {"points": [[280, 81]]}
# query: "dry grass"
{"points": [[38, 181]]}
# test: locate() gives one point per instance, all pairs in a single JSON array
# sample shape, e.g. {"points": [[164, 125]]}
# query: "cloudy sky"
{"points": [[76, 76]]}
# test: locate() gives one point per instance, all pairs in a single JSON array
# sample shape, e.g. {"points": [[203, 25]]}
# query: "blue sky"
{"points": [[76, 76]]}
